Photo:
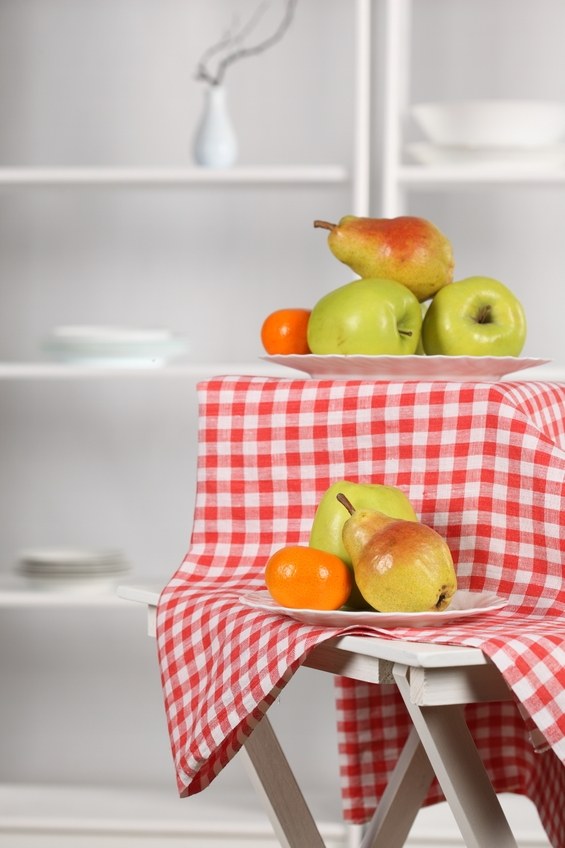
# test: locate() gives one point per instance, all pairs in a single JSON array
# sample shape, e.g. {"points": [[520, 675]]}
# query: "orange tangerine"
{"points": [[284, 331], [307, 578]]}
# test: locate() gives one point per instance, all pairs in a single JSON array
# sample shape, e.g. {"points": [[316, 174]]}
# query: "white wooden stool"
{"points": [[435, 682]]}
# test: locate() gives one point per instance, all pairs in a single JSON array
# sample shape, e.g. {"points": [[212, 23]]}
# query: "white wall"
{"points": [[111, 83]]}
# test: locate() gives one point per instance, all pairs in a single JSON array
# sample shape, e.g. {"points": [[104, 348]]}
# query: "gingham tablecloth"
{"points": [[482, 463]]}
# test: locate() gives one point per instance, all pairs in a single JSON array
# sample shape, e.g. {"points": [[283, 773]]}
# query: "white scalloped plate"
{"points": [[464, 605], [458, 368]]}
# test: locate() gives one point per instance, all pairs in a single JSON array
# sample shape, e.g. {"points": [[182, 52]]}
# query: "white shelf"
{"points": [[48, 815], [171, 177], [50, 370], [157, 817], [14, 371], [437, 176], [14, 594]]}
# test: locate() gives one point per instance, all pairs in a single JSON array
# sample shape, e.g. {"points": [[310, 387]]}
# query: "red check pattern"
{"points": [[484, 464]]}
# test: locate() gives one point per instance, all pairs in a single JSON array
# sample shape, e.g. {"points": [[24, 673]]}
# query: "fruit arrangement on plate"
{"points": [[367, 550], [404, 301]]}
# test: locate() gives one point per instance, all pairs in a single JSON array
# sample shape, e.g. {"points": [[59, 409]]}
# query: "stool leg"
{"points": [[459, 769], [275, 783], [405, 792]]}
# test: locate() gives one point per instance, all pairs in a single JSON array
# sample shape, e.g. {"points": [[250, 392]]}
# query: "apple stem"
{"points": [[405, 332], [485, 315], [345, 502], [325, 225]]}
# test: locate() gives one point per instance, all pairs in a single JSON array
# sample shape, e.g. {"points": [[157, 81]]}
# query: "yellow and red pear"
{"points": [[407, 249], [399, 566]]}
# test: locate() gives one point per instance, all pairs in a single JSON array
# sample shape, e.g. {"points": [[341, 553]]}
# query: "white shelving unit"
{"points": [[46, 815]]}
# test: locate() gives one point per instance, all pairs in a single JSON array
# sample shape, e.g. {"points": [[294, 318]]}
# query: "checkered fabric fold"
{"points": [[482, 463]]}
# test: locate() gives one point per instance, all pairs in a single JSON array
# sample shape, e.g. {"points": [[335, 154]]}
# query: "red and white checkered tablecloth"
{"points": [[482, 463]]}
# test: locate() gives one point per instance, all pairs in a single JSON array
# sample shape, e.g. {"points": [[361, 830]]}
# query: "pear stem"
{"points": [[345, 502], [325, 225]]}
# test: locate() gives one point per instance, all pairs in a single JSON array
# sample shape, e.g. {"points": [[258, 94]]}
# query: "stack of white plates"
{"points": [[72, 569], [120, 346]]}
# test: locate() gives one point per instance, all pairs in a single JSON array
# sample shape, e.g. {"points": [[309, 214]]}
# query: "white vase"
{"points": [[215, 144]]}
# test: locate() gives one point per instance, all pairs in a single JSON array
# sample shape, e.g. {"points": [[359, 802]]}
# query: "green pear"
{"points": [[399, 566], [371, 317], [407, 249], [327, 527]]}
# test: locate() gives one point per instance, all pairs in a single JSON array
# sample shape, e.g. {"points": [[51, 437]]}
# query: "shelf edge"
{"points": [[169, 177], [48, 370], [424, 176]]}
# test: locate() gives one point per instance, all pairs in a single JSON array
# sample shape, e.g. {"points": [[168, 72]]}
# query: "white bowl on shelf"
{"points": [[492, 123]]}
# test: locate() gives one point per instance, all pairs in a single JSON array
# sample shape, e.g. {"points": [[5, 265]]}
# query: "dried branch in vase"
{"points": [[231, 47]]}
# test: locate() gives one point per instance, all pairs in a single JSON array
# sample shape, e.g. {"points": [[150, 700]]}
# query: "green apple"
{"points": [[327, 527], [370, 316], [420, 349], [477, 316], [330, 515]]}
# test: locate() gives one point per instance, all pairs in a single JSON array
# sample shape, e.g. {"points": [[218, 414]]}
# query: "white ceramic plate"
{"points": [[458, 368], [463, 605], [61, 562], [101, 334], [106, 346]]}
